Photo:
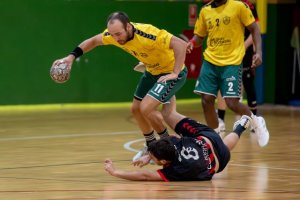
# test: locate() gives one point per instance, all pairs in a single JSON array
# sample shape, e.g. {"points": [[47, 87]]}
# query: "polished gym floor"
{"points": [[57, 154]]}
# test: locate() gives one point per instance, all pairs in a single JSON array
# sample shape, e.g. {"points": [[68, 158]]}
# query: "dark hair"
{"points": [[163, 149], [121, 16]]}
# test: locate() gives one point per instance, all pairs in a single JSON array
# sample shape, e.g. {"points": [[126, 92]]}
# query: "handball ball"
{"points": [[60, 73]]}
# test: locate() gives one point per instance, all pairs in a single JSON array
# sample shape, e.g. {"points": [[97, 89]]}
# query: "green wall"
{"points": [[279, 54], [36, 32]]}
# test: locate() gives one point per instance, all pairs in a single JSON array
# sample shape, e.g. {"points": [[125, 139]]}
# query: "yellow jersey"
{"points": [[149, 45], [224, 27]]}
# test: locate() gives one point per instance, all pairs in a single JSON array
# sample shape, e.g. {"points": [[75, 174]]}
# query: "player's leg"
{"points": [[162, 93], [231, 77], [148, 109], [207, 85], [221, 113], [145, 126], [231, 89], [142, 122], [208, 105], [249, 86]]}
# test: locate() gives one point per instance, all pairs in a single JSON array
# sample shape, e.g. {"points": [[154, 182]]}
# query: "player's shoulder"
{"points": [[207, 6], [241, 3], [144, 27], [248, 4], [146, 30]]}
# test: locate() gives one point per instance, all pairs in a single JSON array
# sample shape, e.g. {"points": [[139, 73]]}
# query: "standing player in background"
{"points": [[163, 55], [223, 23], [248, 75]]}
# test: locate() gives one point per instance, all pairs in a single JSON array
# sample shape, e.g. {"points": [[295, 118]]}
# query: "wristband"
{"points": [[77, 52], [193, 41]]}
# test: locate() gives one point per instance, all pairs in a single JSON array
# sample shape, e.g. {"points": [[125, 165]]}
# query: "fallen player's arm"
{"points": [[138, 175]]}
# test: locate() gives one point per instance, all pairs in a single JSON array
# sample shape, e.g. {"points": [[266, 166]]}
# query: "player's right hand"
{"points": [[67, 60], [142, 161], [189, 47]]}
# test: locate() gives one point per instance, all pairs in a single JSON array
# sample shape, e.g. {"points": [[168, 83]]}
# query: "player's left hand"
{"points": [[142, 161], [167, 77], [108, 166], [256, 60]]}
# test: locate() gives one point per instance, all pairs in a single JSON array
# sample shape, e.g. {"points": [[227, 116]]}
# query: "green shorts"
{"points": [[162, 92], [212, 78]]}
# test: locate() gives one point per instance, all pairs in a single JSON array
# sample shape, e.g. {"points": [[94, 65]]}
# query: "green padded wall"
{"points": [[36, 32]]}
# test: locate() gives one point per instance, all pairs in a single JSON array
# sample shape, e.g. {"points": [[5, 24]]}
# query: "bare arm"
{"points": [[195, 42], [179, 47], [138, 175], [86, 46], [255, 32], [249, 41]]}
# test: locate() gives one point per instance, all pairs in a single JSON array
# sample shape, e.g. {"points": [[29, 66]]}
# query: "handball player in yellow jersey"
{"points": [[163, 55], [223, 22]]}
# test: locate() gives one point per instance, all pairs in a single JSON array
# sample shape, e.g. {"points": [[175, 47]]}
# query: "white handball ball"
{"points": [[60, 72]]}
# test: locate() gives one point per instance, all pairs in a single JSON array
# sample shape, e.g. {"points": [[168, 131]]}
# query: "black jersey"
{"points": [[195, 161]]}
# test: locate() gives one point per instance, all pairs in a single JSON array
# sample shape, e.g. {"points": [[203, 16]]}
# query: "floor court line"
{"points": [[127, 145], [65, 136]]}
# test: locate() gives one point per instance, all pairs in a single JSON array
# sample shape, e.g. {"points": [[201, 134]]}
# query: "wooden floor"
{"points": [[58, 155]]}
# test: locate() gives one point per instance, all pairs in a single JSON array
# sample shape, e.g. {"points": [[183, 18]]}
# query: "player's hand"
{"points": [[67, 60], [167, 77], [189, 47], [108, 166], [256, 60], [142, 161]]}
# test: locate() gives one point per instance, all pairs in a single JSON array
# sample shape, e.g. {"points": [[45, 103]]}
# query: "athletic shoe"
{"points": [[141, 153], [244, 121], [260, 128], [221, 127]]}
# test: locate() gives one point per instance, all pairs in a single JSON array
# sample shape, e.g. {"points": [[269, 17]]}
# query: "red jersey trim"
{"points": [[162, 175]]}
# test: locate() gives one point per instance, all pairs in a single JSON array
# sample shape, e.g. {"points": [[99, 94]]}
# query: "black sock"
{"points": [[221, 114], [163, 134], [150, 137], [239, 130]]}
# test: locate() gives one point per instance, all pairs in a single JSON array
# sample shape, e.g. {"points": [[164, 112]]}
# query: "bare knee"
{"points": [[135, 108], [208, 100]]}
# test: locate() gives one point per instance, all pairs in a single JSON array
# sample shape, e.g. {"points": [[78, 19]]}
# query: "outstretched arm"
{"points": [[138, 175], [86, 46]]}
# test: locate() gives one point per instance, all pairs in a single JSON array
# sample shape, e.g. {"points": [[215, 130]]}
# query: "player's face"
{"points": [[155, 159], [118, 32]]}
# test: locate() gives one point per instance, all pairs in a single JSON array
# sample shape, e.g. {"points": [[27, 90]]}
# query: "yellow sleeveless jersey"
{"points": [[149, 45], [224, 26]]}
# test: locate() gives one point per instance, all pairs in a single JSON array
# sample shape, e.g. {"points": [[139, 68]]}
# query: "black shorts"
{"points": [[190, 128]]}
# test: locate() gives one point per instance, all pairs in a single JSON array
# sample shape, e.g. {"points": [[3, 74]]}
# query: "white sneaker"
{"points": [[244, 121], [261, 130], [221, 125], [144, 151], [141, 153]]}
